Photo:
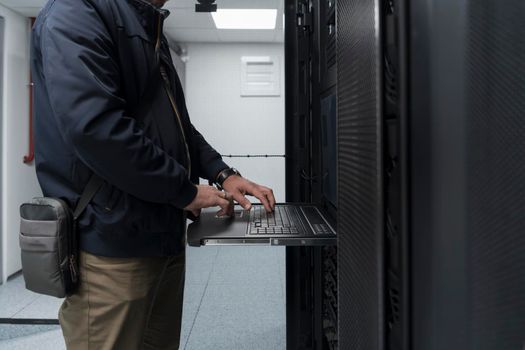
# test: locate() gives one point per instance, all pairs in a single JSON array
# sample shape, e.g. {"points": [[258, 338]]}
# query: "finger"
{"points": [[223, 203], [228, 197], [260, 196], [242, 200], [225, 195], [229, 211], [221, 212], [196, 212], [268, 192], [219, 196], [231, 207]]}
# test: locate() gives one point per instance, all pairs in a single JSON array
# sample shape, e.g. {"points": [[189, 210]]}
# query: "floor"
{"points": [[234, 299]]}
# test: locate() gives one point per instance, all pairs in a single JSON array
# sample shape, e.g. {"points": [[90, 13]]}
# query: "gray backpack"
{"points": [[49, 244]]}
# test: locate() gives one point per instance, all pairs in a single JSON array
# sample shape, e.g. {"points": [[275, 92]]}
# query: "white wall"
{"points": [[18, 179], [180, 66], [231, 123]]}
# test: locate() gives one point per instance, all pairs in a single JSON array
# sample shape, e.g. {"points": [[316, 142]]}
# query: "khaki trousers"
{"points": [[125, 304]]}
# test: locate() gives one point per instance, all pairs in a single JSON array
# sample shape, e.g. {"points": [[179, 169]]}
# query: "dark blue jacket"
{"points": [[93, 63]]}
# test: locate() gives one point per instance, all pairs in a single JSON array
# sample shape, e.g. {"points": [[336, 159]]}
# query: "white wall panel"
{"points": [[265, 171], [180, 67], [235, 124], [19, 181]]}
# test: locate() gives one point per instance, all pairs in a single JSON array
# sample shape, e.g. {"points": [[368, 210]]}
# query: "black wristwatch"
{"points": [[226, 173]]}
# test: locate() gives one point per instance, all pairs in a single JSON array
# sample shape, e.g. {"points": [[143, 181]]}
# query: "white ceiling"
{"points": [[185, 25]]}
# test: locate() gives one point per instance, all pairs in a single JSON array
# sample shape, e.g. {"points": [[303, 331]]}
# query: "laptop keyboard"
{"points": [[282, 221]]}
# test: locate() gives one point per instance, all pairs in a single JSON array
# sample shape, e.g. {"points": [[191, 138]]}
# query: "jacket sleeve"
{"points": [[211, 163], [82, 78]]}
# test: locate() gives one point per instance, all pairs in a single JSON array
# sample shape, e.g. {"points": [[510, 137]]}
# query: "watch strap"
{"points": [[226, 173]]}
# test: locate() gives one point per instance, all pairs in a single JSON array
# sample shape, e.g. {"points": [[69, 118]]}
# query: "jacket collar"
{"points": [[149, 15], [146, 8]]}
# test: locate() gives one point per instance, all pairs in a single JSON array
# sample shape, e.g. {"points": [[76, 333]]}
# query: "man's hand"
{"points": [[209, 196], [238, 187]]}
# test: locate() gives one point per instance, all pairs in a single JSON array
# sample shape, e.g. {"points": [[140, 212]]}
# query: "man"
{"points": [[109, 102]]}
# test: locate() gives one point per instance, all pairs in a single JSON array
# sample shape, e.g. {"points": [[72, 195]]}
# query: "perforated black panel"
{"points": [[360, 209], [496, 173], [468, 179]]}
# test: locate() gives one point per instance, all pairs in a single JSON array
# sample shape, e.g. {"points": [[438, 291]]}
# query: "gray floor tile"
{"points": [[248, 298], [9, 331], [280, 253], [189, 314], [247, 255], [233, 300], [50, 340], [41, 307], [198, 273], [14, 297], [193, 293], [242, 272], [199, 264], [232, 327], [249, 292], [201, 255], [243, 307]]}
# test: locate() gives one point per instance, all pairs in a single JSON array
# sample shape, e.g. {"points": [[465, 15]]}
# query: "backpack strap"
{"points": [[94, 184]]}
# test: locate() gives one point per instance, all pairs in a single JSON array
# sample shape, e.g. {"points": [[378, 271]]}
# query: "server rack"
{"points": [[311, 79], [467, 69], [430, 100], [431, 174], [360, 176], [325, 83]]}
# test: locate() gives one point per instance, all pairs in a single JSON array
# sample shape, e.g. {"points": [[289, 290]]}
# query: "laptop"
{"points": [[292, 224], [289, 225]]}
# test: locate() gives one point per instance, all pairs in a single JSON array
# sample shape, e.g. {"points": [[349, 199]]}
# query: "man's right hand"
{"points": [[209, 196]]}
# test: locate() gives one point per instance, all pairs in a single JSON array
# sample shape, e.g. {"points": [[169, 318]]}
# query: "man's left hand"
{"points": [[238, 187]]}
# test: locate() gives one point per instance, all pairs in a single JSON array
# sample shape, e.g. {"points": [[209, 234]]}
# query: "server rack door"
{"points": [[300, 303], [360, 180], [468, 174], [298, 55], [324, 163], [311, 272]]}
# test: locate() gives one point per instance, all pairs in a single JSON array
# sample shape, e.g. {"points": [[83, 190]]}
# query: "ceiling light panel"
{"points": [[245, 18]]}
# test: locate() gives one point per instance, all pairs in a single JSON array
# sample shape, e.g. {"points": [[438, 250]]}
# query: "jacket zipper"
{"points": [[172, 101]]}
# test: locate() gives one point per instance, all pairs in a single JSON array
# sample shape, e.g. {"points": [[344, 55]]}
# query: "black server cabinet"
{"points": [[300, 265], [431, 174], [310, 107], [360, 176], [324, 105], [467, 126]]}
